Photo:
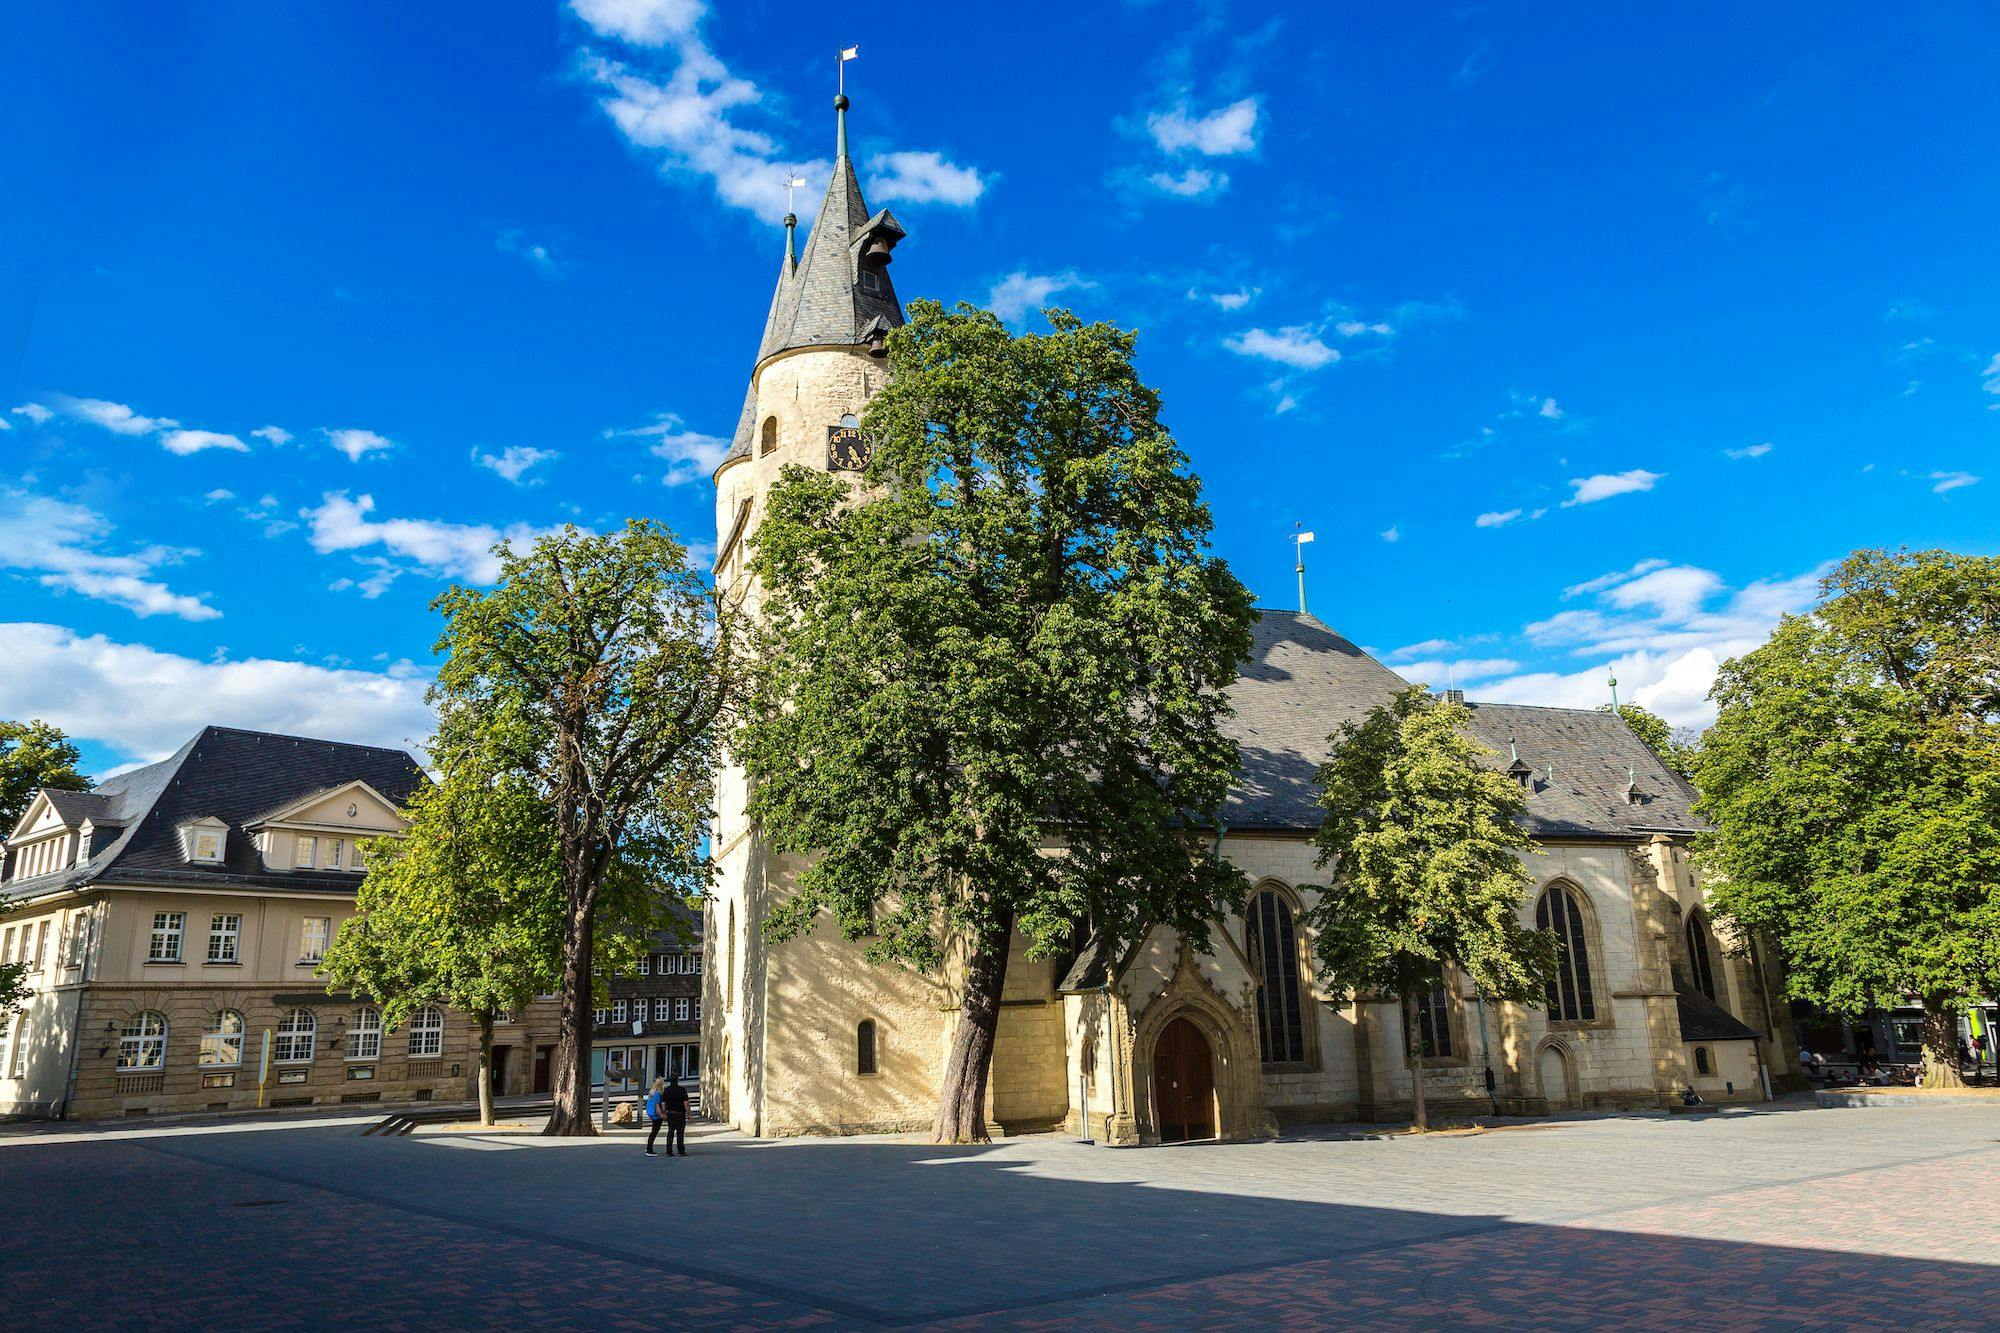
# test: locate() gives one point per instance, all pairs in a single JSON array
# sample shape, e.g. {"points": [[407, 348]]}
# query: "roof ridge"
{"points": [[308, 740]]}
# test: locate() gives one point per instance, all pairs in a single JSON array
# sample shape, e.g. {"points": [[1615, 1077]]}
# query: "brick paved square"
{"points": [[1752, 1219]]}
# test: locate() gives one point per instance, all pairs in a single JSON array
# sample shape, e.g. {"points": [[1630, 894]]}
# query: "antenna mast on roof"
{"points": [[1299, 540]]}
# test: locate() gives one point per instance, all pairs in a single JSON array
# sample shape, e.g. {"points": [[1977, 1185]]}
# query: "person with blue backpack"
{"points": [[657, 1113]]}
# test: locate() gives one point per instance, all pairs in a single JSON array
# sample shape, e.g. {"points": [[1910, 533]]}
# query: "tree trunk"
{"points": [[1941, 1044], [1420, 1119], [571, 1116], [486, 1068], [961, 1116]]}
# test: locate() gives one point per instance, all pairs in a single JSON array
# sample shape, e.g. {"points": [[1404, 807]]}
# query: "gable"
{"points": [[40, 817], [355, 805]]}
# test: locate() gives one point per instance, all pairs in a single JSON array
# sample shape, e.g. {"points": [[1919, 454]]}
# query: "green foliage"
{"points": [[1676, 750], [465, 910], [13, 987], [1853, 779], [1426, 847], [34, 755], [1014, 628]]}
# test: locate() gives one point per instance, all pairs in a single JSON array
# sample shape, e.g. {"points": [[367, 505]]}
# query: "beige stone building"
{"points": [[1145, 1039]]}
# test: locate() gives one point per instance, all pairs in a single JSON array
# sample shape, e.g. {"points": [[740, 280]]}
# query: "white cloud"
{"points": [[114, 417], [1354, 328], [1235, 300], [1951, 481], [1603, 581], [538, 256], [446, 550], [61, 543], [923, 178], [1221, 133], [1989, 378], [1190, 184], [184, 442], [1677, 591], [218, 495], [691, 109], [357, 444], [34, 412], [144, 703], [1550, 409], [1456, 671], [1747, 451], [640, 22], [274, 434], [1391, 534], [1496, 518], [690, 455], [1019, 292], [6, 424], [514, 460], [1297, 345], [1589, 490]]}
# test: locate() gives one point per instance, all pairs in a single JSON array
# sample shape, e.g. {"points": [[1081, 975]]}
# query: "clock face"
{"points": [[846, 450]]}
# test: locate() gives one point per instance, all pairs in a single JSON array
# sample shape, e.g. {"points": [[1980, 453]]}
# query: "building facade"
{"points": [[1147, 1039]]}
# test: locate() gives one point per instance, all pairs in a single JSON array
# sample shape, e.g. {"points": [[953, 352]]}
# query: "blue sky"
{"points": [[1582, 336]]}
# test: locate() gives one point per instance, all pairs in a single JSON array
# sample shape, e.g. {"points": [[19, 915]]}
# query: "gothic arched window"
{"points": [[770, 442], [1568, 992], [1434, 1022], [1270, 938], [1699, 964]]}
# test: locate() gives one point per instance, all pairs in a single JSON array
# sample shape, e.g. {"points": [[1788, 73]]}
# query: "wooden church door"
{"points": [[1184, 1083]]}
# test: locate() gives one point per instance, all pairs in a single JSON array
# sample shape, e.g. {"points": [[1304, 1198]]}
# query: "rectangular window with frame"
{"points": [[334, 847], [646, 966], [19, 1054], [225, 931], [7, 946], [695, 958], [660, 1010], [207, 845], [680, 1011], [697, 1011], [304, 850], [600, 1016], [79, 938], [41, 947], [165, 945], [618, 1009], [313, 932]]}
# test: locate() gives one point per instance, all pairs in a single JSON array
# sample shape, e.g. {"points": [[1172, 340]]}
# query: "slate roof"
{"points": [[73, 807], [236, 776], [822, 300], [1702, 1019], [1301, 681]]}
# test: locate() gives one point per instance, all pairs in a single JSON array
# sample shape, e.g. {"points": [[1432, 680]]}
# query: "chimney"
{"points": [[1454, 696]]}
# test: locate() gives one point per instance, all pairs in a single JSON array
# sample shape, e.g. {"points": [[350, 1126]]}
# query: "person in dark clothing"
{"points": [[655, 1113], [675, 1103]]}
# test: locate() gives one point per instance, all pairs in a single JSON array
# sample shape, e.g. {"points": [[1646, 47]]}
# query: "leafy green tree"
{"points": [[34, 755], [1853, 780], [13, 988], [594, 675], [464, 910], [1675, 746], [1014, 633], [1427, 851]]}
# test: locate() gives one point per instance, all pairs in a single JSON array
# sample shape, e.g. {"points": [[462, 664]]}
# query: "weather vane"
{"points": [[793, 181]]}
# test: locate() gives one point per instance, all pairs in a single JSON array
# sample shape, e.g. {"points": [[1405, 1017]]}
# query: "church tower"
{"points": [[780, 1030]]}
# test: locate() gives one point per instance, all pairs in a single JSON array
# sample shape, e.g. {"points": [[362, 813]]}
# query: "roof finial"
{"points": [[847, 53], [1614, 692], [792, 182]]}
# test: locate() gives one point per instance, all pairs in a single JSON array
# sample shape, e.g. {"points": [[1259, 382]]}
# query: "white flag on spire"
{"points": [[1305, 536], [849, 52]]}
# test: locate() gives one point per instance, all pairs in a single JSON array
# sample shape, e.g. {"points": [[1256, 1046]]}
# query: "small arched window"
{"points": [[297, 1037], [1568, 992], [1270, 938], [365, 1041], [770, 440], [1434, 1022], [426, 1033], [1698, 953], [1701, 1064], [864, 1047], [222, 1044], [143, 1042]]}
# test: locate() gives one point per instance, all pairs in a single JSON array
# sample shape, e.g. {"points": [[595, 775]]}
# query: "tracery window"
{"points": [[1434, 1022], [1270, 938], [1699, 963], [1568, 993]]}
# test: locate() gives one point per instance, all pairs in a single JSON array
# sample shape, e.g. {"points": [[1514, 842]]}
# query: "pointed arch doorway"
{"points": [[1184, 1084]]}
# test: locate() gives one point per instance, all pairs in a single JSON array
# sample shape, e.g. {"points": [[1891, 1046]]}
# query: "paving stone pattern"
{"points": [[1785, 1219]]}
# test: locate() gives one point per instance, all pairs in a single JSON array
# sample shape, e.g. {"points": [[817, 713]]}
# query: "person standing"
{"points": [[675, 1101], [655, 1112]]}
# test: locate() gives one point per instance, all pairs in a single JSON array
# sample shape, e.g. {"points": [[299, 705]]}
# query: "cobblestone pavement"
{"points": [[1885, 1217]]}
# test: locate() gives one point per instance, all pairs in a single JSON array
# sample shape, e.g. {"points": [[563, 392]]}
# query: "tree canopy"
{"points": [[1426, 848], [592, 677], [1675, 746], [33, 755], [1012, 630], [1853, 780]]}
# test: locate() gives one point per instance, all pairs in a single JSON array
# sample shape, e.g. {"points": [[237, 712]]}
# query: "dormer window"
{"points": [[207, 845], [205, 841], [305, 850]]}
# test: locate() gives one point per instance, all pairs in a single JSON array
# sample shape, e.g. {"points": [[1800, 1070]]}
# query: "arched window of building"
{"points": [[426, 1034], [222, 1044], [297, 1036], [770, 442], [1568, 993], [1270, 938], [143, 1043], [365, 1041], [1434, 1022], [1701, 1064], [864, 1047], [1698, 953]]}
